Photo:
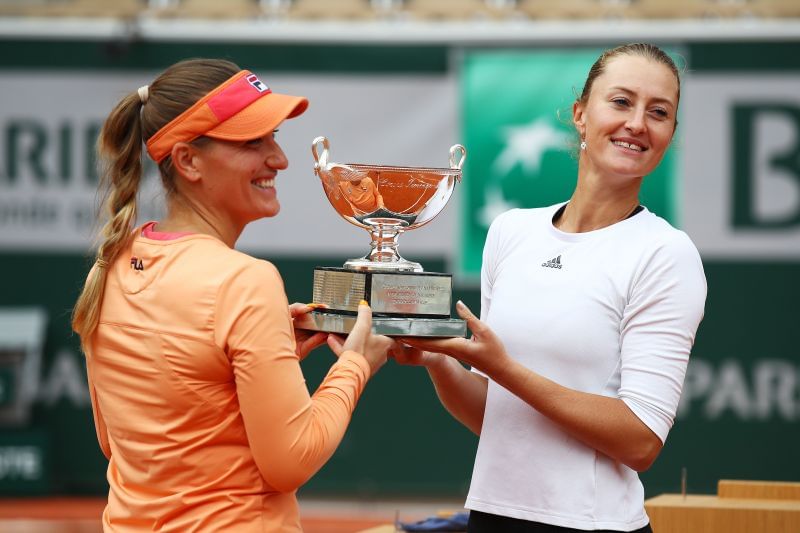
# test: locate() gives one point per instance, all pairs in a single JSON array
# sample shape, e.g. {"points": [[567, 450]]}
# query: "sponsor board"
{"points": [[741, 168], [48, 174]]}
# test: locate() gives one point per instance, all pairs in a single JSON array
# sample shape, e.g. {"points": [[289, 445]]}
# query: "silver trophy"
{"points": [[386, 201]]}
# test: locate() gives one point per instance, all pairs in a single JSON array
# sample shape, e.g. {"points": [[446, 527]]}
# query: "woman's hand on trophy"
{"points": [[373, 347], [483, 350], [404, 354], [305, 339]]}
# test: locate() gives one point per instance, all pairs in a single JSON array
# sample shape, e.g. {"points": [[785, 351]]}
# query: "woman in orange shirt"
{"points": [[192, 349]]}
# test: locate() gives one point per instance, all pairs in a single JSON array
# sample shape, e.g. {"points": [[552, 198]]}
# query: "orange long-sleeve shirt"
{"points": [[198, 397]]}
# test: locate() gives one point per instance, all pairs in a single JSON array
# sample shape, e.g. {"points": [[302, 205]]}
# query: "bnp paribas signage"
{"points": [[49, 122], [766, 147], [741, 185], [517, 121]]}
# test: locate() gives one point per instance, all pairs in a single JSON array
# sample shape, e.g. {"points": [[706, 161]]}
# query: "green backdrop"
{"points": [[741, 415]]}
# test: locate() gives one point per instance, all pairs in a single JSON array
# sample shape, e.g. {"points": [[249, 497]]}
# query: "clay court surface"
{"points": [[82, 515]]}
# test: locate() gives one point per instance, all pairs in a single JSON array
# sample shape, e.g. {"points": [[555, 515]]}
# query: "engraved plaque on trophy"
{"points": [[386, 201]]}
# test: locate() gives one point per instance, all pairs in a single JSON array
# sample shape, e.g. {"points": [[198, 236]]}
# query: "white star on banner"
{"points": [[527, 144], [494, 206]]}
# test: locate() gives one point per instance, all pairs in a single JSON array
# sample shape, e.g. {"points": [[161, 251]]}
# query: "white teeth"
{"points": [[266, 183], [629, 145]]}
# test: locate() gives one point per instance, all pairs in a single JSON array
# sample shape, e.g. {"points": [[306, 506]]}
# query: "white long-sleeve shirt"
{"points": [[613, 312]]}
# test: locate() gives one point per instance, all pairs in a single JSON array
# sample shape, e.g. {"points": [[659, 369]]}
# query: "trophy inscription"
{"points": [[386, 201]]}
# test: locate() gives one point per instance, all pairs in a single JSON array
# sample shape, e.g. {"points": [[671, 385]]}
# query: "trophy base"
{"points": [[391, 326], [409, 304]]}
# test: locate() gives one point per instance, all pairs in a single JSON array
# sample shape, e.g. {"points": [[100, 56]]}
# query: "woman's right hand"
{"points": [[408, 355], [483, 350], [373, 347]]}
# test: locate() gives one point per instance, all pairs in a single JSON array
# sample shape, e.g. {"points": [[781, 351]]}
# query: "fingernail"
{"points": [[316, 305], [363, 302], [460, 303]]}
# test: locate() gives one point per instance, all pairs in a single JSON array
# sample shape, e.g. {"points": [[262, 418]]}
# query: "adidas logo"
{"points": [[553, 263]]}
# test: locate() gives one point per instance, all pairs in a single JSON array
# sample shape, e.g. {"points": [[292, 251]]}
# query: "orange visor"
{"points": [[240, 109]]}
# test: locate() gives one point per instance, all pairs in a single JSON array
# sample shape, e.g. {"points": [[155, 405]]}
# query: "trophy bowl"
{"points": [[386, 201]]}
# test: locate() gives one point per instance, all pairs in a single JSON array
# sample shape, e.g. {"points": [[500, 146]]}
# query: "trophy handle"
{"points": [[457, 156], [321, 160]]}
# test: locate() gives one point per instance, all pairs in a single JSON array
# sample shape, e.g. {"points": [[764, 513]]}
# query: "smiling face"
{"points": [[238, 178], [628, 118]]}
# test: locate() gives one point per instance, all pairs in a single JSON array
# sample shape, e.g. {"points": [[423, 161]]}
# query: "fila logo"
{"points": [[553, 263], [260, 86], [136, 263]]}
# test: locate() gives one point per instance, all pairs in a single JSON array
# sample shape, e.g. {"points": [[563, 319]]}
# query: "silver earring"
{"points": [[583, 145]]}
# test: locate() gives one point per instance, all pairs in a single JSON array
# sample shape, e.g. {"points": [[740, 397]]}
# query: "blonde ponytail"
{"points": [[120, 151]]}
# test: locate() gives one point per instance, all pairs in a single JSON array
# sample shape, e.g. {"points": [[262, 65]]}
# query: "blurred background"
{"points": [[399, 82]]}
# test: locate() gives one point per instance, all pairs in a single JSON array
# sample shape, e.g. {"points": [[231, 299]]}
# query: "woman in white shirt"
{"points": [[589, 310]]}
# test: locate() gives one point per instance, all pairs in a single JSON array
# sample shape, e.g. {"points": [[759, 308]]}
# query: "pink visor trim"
{"points": [[236, 96]]}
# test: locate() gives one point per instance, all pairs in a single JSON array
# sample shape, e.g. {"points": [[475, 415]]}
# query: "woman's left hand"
{"points": [[483, 350], [305, 339]]}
